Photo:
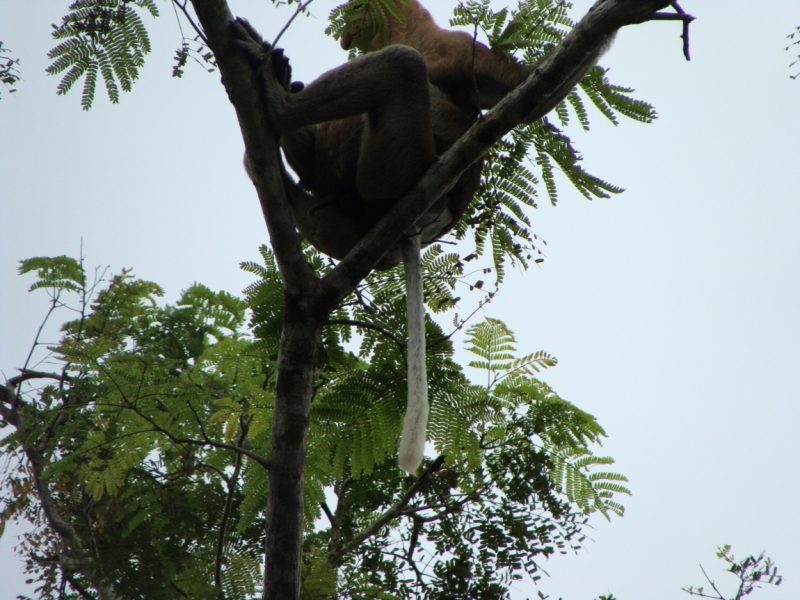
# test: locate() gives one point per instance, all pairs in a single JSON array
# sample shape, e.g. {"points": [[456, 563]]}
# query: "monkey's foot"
{"points": [[269, 64]]}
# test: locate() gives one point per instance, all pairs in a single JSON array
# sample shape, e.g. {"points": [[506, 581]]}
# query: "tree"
{"points": [[150, 447], [318, 303], [752, 572]]}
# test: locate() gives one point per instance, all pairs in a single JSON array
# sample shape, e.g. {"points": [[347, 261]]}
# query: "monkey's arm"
{"points": [[464, 68], [467, 67]]}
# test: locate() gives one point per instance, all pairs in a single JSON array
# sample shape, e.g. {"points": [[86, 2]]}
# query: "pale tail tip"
{"points": [[411, 454]]}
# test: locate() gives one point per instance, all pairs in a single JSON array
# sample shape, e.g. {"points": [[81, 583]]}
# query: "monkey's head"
{"points": [[361, 34], [366, 32]]}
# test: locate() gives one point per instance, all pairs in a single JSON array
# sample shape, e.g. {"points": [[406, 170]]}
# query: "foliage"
{"points": [[9, 74], [752, 573], [157, 425], [196, 49], [509, 181], [101, 36]]}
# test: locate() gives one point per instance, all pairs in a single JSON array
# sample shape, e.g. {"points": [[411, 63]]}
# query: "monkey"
{"points": [[359, 136]]}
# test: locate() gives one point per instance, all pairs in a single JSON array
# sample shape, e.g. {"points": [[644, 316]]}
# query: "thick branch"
{"points": [[340, 489], [25, 375], [261, 145]]}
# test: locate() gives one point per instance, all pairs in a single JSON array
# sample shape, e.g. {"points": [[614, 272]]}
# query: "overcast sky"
{"points": [[674, 308]]}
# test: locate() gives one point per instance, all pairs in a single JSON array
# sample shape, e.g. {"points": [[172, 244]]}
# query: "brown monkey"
{"points": [[362, 134]]}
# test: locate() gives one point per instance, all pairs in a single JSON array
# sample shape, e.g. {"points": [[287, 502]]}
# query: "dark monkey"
{"points": [[362, 134]]}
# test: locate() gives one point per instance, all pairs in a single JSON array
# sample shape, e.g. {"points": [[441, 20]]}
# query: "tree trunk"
{"points": [[293, 393]]}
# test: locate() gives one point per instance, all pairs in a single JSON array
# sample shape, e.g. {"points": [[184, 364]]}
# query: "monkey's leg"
{"points": [[393, 76], [391, 88], [412, 440], [299, 146]]}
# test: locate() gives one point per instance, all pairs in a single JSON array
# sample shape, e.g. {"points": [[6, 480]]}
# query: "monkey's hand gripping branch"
{"points": [[412, 440]]}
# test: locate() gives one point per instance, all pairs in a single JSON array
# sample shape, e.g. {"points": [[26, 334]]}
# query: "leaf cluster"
{"points": [[9, 74], [137, 454], [752, 572], [795, 40], [157, 429], [531, 155], [101, 37]]}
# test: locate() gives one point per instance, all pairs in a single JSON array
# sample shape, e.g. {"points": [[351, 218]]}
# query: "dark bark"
{"points": [[293, 393], [309, 301]]}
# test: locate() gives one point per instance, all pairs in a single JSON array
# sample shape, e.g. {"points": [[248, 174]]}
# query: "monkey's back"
{"points": [[338, 217]]}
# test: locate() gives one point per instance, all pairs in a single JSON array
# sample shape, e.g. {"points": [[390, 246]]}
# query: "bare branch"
{"points": [[368, 325], [26, 374], [300, 9], [194, 25], [678, 15]]}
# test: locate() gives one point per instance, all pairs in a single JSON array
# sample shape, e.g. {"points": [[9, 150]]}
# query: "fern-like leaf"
{"points": [[105, 36]]}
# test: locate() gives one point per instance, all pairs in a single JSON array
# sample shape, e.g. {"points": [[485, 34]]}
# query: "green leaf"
{"points": [[105, 36], [57, 272]]}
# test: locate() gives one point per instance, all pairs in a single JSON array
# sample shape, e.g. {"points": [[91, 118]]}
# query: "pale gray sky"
{"points": [[673, 308]]}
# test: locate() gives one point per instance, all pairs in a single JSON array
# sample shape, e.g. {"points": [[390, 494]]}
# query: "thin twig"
{"points": [[300, 9], [685, 34], [244, 424], [191, 22], [394, 511], [206, 441], [713, 585], [367, 325], [53, 306], [678, 15], [472, 65]]}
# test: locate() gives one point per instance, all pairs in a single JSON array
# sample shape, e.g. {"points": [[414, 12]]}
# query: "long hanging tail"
{"points": [[412, 440]]}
